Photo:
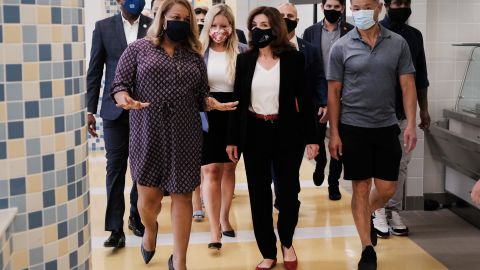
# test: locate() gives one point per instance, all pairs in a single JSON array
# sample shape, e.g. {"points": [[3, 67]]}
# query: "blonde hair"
{"points": [[231, 44], [156, 32]]}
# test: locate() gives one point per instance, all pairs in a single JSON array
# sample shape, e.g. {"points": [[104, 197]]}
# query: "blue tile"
{"points": [[3, 150], [75, 33], [34, 165], [1, 260], [1, 34], [33, 147], [15, 130], [35, 220], [19, 202], [80, 239], [46, 89], [15, 111], [61, 178], [4, 203], [67, 67], [46, 107], [71, 192], [62, 230], [59, 106], [56, 15], [11, 14], [62, 213], [36, 256], [4, 190], [48, 163], [2, 92], [67, 16], [57, 70], [30, 53], [78, 138], [79, 189], [48, 180], [84, 169], [70, 157], [49, 216], [20, 223], [17, 186], [30, 2], [14, 91], [45, 52], [51, 265], [3, 131], [14, 73], [48, 198], [32, 109], [59, 124], [76, 86], [2, 75], [73, 259], [67, 51], [80, 16], [29, 33], [68, 87], [71, 174], [45, 71]]}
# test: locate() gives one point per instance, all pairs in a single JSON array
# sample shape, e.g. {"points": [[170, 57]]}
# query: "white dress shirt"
{"points": [[217, 78], [266, 89], [131, 30]]}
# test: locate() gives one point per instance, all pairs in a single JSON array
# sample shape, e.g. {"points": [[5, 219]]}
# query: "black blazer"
{"points": [[299, 126], [316, 81], [241, 36], [108, 44]]}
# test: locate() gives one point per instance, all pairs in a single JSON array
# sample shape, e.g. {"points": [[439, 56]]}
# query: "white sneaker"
{"points": [[380, 223], [397, 227]]}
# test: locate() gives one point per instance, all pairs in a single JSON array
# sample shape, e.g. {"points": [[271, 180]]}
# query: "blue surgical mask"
{"points": [[134, 7], [364, 19]]}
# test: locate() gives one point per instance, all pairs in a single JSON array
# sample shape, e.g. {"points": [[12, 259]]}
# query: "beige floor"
{"points": [[333, 245]]}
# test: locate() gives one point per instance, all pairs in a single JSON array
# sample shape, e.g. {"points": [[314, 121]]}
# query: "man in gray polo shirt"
{"points": [[363, 71]]}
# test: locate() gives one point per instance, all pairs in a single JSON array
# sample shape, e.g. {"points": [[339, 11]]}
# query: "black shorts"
{"points": [[370, 152]]}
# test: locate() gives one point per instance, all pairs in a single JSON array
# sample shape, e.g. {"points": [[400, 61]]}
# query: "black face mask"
{"points": [[399, 15], [200, 27], [291, 24], [261, 38], [332, 15], [177, 31]]}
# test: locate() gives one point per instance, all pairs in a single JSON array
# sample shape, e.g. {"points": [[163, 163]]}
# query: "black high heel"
{"points": [[230, 233], [216, 245], [148, 255], [170, 263]]}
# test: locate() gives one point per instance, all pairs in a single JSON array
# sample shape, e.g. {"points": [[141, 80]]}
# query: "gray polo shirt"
{"points": [[369, 77], [328, 39]]}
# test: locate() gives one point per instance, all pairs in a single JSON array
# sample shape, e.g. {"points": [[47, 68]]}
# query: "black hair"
{"points": [[388, 2], [342, 2]]}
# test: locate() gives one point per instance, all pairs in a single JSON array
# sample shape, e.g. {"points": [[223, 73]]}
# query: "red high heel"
{"points": [[264, 268], [290, 265]]}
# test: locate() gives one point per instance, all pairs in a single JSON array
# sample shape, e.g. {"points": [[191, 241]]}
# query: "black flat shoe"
{"points": [[318, 178], [334, 193], [148, 255], [116, 240], [230, 233], [170, 263], [136, 226], [216, 245]]}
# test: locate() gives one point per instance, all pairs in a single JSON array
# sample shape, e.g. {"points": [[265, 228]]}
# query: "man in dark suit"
{"points": [[323, 35], [110, 38]]}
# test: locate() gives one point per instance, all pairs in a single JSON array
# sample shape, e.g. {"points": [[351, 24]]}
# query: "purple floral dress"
{"points": [[165, 138]]}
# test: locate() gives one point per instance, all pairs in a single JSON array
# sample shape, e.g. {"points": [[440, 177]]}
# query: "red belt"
{"points": [[266, 117]]}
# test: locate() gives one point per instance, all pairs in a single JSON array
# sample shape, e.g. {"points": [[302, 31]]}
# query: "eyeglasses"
{"points": [[200, 11]]}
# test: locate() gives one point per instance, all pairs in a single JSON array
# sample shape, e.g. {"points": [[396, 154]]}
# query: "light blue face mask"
{"points": [[364, 19]]}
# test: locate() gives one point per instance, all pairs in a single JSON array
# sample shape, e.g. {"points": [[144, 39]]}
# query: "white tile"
{"points": [[34, 202], [467, 32], [414, 186], [35, 238], [415, 168], [20, 241], [446, 71], [447, 12], [48, 145], [17, 167]]}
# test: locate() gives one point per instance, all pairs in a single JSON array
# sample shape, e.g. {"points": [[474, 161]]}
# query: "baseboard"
{"points": [[414, 203]]}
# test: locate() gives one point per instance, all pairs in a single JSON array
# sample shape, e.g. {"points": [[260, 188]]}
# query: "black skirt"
{"points": [[215, 140]]}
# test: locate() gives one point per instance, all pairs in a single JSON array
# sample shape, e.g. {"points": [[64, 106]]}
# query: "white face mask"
{"points": [[364, 19]]}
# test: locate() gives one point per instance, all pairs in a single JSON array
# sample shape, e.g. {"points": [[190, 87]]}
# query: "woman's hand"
{"points": [[476, 193], [213, 104], [232, 151], [125, 102], [312, 151]]}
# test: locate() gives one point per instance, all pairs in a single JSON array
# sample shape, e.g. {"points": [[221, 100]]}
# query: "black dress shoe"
{"points": [[318, 178], [170, 263], [230, 233], [116, 240], [136, 226], [148, 255], [368, 260], [334, 193]]}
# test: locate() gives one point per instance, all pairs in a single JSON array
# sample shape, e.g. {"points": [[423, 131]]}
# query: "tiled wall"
{"points": [[43, 147]]}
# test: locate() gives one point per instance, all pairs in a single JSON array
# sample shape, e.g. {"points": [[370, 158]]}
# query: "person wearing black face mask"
{"points": [[387, 220], [323, 35], [109, 40], [269, 129], [162, 80]]}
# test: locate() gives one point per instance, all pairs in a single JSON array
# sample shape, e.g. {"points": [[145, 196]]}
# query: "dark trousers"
{"points": [[116, 136], [335, 167], [263, 149]]}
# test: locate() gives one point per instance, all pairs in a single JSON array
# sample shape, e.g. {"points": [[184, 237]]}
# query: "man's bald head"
{"points": [[288, 10]]}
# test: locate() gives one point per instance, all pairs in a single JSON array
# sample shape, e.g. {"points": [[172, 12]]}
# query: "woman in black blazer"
{"points": [[274, 118]]}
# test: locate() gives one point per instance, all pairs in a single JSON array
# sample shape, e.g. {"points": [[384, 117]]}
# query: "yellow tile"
{"points": [[17, 167], [20, 260], [28, 14], [47, 145], [58, 88], [62, 247], [67, 34], [12, 33], [81, 34], [3, 112], [30, 72], [57, 34], [31, 91], [61, 195], [32, 128], [50, 234], [57, 52], [44, 15], [34, 183], [16, 148], [48, 127], [60, 142], [13, 53]]}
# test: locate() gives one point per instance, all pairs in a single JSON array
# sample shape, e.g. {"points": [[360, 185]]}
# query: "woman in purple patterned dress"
{"points": [[164, 80]]}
